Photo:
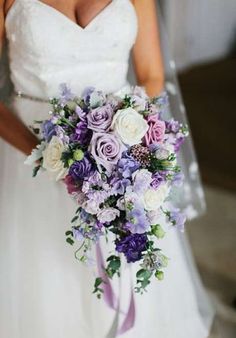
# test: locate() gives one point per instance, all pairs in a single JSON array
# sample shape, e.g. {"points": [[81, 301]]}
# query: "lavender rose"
{"points": [[106, 149], [108, 215], [156, 131], [99, 119]]}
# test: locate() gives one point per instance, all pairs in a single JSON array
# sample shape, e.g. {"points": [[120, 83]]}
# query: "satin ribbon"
{"points": [[114, 303]]}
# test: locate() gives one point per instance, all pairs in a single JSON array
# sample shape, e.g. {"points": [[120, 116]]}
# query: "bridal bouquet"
{"points": [[117, 157]]}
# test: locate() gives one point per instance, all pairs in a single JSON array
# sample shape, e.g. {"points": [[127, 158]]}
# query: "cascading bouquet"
{"points": [[117, 157]]}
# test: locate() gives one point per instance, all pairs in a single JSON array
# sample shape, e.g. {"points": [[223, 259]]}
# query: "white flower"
{"points": [[107, 215], [129, 125], [52, 158], [36, 154], [91, 207], [154, 198]]}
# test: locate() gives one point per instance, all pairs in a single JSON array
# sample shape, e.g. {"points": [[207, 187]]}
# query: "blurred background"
{"points": [[202, 37]]}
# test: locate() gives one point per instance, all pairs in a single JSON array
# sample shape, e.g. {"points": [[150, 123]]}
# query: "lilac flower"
{"points": [[132, 246], [119, 185], [86, 94], [82, 133], [65, 94], [81, 169], [172, 126], [99, 119], [80, 113], [127, 165], [142, 180], [177, 218], [179, 142], [48, 130], [61, 133], [80, 233], [137, 220]]}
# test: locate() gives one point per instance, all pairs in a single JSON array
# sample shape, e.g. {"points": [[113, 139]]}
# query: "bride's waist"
{"points": [[31, 107]]}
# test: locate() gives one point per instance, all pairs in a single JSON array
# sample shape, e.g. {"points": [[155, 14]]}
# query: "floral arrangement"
{"points": [[117, 157]]}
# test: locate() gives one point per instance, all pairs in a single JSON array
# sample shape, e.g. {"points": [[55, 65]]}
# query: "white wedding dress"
{"points": [[44, 291]]}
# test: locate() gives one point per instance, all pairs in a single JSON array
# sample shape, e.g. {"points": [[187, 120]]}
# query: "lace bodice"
{"points": [[46, 48]]}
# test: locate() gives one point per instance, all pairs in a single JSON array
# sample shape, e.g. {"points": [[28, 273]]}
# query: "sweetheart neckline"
{"points": [[65, 17], [91, 21]]}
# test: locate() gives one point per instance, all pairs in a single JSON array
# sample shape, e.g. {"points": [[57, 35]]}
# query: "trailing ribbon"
{"points": [[113, 303]]}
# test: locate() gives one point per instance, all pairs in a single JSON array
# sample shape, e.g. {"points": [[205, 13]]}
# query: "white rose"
{"points": [[154, 198], [52, 159], [129, 125]]}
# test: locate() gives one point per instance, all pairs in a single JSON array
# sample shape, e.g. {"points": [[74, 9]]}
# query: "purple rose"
{"points": [[106, 149], [132, 246], [99, 119], [82, 169]]}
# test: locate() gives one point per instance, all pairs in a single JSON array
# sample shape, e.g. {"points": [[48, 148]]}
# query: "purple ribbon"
{"points": [[110, 298]]}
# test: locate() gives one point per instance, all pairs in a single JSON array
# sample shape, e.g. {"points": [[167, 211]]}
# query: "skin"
{"points": [[146, 55]]}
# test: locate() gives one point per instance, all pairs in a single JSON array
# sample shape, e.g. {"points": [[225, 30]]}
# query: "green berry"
{"points": [[159, 275], [78, 155]]}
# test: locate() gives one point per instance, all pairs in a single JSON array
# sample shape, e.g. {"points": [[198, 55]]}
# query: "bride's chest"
{"points": [[34, 27]]}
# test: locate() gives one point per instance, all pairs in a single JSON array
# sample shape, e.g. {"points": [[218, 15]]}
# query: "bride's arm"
{"points": [[147, 57], [12, 129]]}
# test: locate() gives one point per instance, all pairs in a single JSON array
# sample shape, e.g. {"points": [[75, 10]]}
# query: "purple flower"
{"points": [[119, 185], [172, 126], [82, 133], [80, 233], [80, 113], [82, 169], [179, 142], [132, 246], [106, 149], [127, 165], [157, 179], [99, 119], [177, 218], [137, 220], [142, 180], [48, 130], [65, 93]]}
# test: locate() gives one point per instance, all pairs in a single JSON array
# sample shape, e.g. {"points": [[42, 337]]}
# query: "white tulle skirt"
{"points": [[46, 293]]}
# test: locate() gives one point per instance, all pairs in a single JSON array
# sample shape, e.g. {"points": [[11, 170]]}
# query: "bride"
{"points": [[44, 292]]}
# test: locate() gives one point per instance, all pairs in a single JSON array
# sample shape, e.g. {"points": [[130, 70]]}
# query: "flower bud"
{"points": [[78, 155]]}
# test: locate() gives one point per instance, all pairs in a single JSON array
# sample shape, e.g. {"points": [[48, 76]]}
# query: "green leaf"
{"points": [[35, 170], [70, 241], [74, 219], [69, 233]]}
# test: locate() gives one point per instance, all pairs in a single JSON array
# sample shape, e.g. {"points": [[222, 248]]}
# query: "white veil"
{"points": [[190, 196]]}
